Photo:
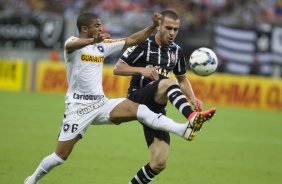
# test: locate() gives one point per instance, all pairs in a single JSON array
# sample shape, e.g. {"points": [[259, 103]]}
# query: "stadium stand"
{"points": [[200, 22]]}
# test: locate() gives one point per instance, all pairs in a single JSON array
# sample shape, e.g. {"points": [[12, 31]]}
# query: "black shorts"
{"points": [[146, 96]]}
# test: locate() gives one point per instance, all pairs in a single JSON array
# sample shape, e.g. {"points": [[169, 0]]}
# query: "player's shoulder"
{"points": [[146, 43], [72, 38], [138, 48], [151, 39], [175, 46]]}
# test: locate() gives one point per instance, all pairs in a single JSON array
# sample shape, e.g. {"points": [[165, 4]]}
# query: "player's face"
{"points": [[168, 30], [94, 28]]}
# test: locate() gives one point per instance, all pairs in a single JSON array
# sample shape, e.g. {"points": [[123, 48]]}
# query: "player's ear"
{"points": [[84, 29], [158, 27]]}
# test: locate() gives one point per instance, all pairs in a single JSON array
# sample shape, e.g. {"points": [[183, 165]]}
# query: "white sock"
{"points": [[159, 121], [46, 165]]}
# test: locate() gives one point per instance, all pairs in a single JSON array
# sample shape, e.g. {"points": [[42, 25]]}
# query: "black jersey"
{"points": [[150, 54]]}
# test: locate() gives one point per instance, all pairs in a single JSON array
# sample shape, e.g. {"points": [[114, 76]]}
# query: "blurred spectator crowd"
{"points": [[195, 13], [121, 17]]}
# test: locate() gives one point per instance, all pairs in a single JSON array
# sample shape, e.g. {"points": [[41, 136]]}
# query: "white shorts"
{"points": [[78, 117]]}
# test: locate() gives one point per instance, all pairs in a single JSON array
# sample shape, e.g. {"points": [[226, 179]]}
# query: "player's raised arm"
{"points": [[142, 35], [78, 43]]}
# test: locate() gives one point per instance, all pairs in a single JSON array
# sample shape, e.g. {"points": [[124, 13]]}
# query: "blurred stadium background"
{"points": [[242, 146]]}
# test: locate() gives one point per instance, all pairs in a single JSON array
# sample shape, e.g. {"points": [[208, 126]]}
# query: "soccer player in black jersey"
{"points": [[150, 64]]}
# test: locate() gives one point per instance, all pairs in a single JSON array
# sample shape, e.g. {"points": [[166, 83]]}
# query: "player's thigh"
{"points": [[161, 96], [146, 96], [77, 119], [124, 111], [159, 151]]}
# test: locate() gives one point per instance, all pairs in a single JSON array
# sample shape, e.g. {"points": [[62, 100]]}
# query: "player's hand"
{"points": [[151, 72], [156, 17], [198, 104], [101, 36]]}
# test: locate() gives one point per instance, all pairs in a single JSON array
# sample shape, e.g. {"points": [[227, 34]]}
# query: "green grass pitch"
{"points": [[238, 146]]}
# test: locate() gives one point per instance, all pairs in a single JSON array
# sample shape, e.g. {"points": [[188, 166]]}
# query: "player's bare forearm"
{"points": [[186, 87], [123, 69], [78, 44], [141, 36]]}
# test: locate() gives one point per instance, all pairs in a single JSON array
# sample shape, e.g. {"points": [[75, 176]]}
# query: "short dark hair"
{"points": [[85, 19], [169, 13]]}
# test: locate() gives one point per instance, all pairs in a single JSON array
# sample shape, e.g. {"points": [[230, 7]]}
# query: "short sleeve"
{"points": [[113, 45], [70, 39], [132, 54]]}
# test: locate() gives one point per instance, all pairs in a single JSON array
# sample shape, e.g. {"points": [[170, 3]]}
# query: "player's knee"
{"points": [[161, 95], [63, 155], [64, 148], [132, 108], [166, 83], [170, 82], [159, 165], [125, 111]]}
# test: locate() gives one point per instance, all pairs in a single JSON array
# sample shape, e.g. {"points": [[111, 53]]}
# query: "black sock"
{"points": [[178, 100], [144, 175]]}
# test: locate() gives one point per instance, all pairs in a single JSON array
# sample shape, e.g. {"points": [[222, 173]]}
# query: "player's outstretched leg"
{"points": [[195, 122], [46, 165], [63, 150]]}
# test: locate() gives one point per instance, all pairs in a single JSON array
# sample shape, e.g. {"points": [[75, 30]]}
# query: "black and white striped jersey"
{"points": [[149, 54]]}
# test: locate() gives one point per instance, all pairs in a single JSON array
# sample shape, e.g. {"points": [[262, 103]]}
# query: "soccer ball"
{"points": [[203, 61]]}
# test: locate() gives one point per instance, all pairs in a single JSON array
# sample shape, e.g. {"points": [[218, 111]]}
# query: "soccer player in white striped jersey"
{"points": [[86, 103]]}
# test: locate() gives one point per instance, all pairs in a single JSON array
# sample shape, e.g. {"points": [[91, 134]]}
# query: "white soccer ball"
{"points": [[203, 61]]}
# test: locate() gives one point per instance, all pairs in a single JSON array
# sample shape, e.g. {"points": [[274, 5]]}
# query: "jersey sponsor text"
{"points": [[87, 97], [91, 107], [91, 58]]}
